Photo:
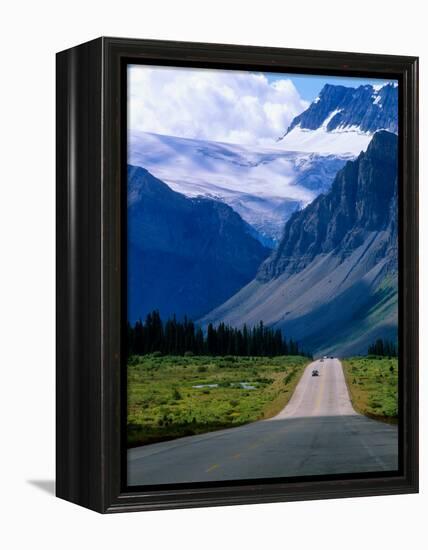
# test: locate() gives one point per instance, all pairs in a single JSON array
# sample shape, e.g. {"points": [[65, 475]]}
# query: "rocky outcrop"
{"points": [[367, 108], [332, 282], [185, 255], [359, 202]]}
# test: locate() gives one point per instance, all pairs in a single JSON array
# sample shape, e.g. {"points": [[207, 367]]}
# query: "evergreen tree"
{"points": [[383, 347], [178, 337]]}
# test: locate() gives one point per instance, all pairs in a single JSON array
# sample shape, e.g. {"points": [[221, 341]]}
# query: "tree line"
{"points": [[383, 347], [180, 337]]}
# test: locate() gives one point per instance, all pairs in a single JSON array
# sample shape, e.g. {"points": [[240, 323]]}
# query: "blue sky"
{"points": [[309, 86], [241, 107]]}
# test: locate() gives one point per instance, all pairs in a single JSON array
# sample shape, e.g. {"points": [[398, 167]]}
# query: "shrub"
{"points": [[157, 354], [264, 380], [188, 354], [288, 378]]}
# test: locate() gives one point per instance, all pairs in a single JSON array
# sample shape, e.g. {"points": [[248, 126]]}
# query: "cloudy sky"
{"points": [[230, 106]]}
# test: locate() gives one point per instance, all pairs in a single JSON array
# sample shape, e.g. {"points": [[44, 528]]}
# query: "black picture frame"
{"points": [[91, 379]]}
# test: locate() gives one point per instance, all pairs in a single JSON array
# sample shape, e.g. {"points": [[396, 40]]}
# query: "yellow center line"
{"points": [[320, 393], [258, 442], [261, 440]]}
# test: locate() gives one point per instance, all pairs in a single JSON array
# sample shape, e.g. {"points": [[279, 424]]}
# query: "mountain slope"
{"points": [[185, 256], [332, 281], [343, 119], [265, 186]]}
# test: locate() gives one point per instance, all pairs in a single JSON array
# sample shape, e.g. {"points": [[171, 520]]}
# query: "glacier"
{"points": [[264, 185]]}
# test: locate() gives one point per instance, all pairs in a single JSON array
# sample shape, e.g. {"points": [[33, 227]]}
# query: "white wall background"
{"points": [[31, 32]]}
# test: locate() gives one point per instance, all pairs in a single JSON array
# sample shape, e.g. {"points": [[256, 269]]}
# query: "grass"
{"points": [[384, 307], [373, 386], [164, 404]]}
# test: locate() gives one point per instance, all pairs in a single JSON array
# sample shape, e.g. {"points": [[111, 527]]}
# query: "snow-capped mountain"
{"points": [[265, 186], [332, 281], [343, 120], [186, 255]]}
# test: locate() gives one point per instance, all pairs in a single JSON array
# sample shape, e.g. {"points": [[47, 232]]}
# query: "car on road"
{"points": [[315, 372]]}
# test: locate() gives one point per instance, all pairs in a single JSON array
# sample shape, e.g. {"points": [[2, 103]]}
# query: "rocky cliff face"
{"points": [[332, 282], [185, 256], [343, 120], [366, 107], [359, 202]]}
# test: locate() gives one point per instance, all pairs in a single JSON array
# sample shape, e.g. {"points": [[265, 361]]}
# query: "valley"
{"points": [[331, 283], [317, 432], [303, 239], [260, 275], [263, 185], [175, 396]]}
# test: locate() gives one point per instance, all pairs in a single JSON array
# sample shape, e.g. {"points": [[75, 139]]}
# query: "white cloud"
{"points": [[230, 106]]}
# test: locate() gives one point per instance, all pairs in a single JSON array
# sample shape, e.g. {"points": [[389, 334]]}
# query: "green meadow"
{"points": [[175, 396], [373, 386]]}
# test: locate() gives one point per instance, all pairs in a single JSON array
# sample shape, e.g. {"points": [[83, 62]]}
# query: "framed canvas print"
{"points": [[237, 277]]}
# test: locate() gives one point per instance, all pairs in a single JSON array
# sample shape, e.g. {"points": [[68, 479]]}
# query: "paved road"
{"points": [[318, 432]]}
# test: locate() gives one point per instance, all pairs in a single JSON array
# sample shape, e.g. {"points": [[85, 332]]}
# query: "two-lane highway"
{"points": [[318, 432], [323, 395]]}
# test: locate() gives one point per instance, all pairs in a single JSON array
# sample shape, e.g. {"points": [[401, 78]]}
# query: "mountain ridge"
{"points": [[328, 218], [368, 108], [264, 186], [185, 256], [334, 272], [343, 119]]}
